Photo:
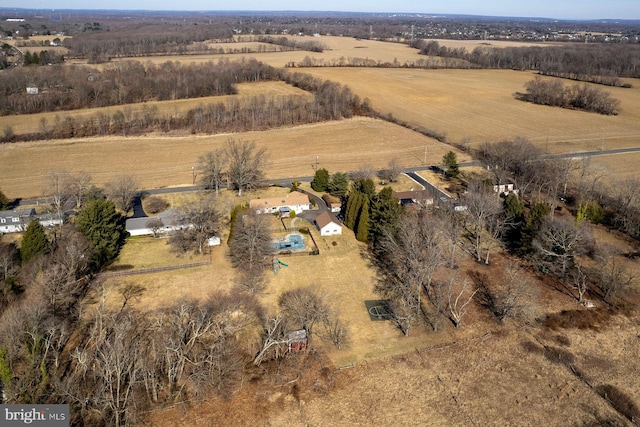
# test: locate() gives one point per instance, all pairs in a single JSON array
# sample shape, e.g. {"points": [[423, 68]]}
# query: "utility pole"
{"points": [[193, 174], [425, 155]]}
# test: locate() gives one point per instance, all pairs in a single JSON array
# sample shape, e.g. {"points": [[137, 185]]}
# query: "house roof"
{"points": [[169, 218], [21, 213], [325, 219], [293, 198], [413, 195]]}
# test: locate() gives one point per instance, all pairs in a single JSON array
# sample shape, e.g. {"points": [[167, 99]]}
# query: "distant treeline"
{"points": [[579, 97], [143, 40], [596, 63], [330, 101], [77, 87], [293, 44]]}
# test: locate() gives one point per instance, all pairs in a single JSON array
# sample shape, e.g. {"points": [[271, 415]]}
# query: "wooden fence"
{"points": [[109, 274]]}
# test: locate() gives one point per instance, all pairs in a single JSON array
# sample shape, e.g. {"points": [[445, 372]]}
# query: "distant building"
{"points": [[32, 90]]}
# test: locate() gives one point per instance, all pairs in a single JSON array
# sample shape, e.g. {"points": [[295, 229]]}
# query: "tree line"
{"points": [[68, 88], [330, 101], [579, 97], [595, 63], [415, 249]]}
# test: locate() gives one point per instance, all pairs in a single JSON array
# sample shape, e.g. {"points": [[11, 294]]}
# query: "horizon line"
{"points": [[427, 14]]}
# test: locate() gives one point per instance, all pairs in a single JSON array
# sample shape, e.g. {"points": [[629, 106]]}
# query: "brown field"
{"points": [[479, 105], [336, 47], [26, 123], [162, 161]]}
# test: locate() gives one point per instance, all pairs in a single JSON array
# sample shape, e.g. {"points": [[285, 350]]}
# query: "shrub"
{"points": [[620, 400], [155, 205]]}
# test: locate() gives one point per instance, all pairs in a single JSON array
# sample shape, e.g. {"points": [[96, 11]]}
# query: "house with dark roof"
{"points": [[15, 221], [419, 197]]}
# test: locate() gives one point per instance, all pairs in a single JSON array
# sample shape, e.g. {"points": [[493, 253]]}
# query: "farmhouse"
{"points": [[327, 225], [295, 201]]}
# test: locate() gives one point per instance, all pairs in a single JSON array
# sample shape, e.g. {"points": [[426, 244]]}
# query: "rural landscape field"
{"points": [[513, 309]]}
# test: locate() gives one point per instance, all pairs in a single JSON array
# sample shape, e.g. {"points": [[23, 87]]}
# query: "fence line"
{"points": [[109, 274]]}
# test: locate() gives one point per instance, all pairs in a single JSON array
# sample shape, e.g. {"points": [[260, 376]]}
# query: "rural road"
{"points": [[286, 182]]}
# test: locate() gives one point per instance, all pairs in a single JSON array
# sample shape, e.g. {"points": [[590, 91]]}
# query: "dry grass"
{"points": [[27, 123], [160, 161], [479, 105]]}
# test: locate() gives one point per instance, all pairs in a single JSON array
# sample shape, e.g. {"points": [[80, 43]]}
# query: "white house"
{"points": [[295, 201], [505, 189], [165, 222], [327, 225], [17, 221], [333, 203]]}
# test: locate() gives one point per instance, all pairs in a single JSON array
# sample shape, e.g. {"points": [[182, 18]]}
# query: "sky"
{"points": [[558, 9]]}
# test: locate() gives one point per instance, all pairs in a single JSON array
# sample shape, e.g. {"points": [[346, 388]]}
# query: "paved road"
{"points": [[286, 182]]}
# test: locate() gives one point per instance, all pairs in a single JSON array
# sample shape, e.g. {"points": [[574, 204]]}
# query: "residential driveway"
{"points": [[311, 215]]}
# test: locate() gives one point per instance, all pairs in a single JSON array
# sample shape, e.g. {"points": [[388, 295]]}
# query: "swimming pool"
{"points": [[292, 242]]}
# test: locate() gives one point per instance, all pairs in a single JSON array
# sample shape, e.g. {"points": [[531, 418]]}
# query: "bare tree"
{"points": [[302, 308], [155, 225], [459, 296], [57, 188], [408, 260], [485, 219], [579, 281], [250, 243], [79, 185], [511, 296], [211, 169], [246, 164], [559, 241], [613, 278], [392, 171], [122, 191], [200, 222]]}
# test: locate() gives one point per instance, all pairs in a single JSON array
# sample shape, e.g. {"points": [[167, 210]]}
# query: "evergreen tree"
{"points": [[365, 186], [4, 201], [353, 207], [362, 233], [34, 241], [450, 161], [320, 180], [385, 210], [339, 184], [104, 227]]}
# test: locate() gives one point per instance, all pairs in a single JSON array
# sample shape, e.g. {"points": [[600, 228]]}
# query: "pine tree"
{"points": [[4, 201], [450, 161], [339, 184], [385, 210], [320, 180], [104, 227], [34, 241], [362, 233]]}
